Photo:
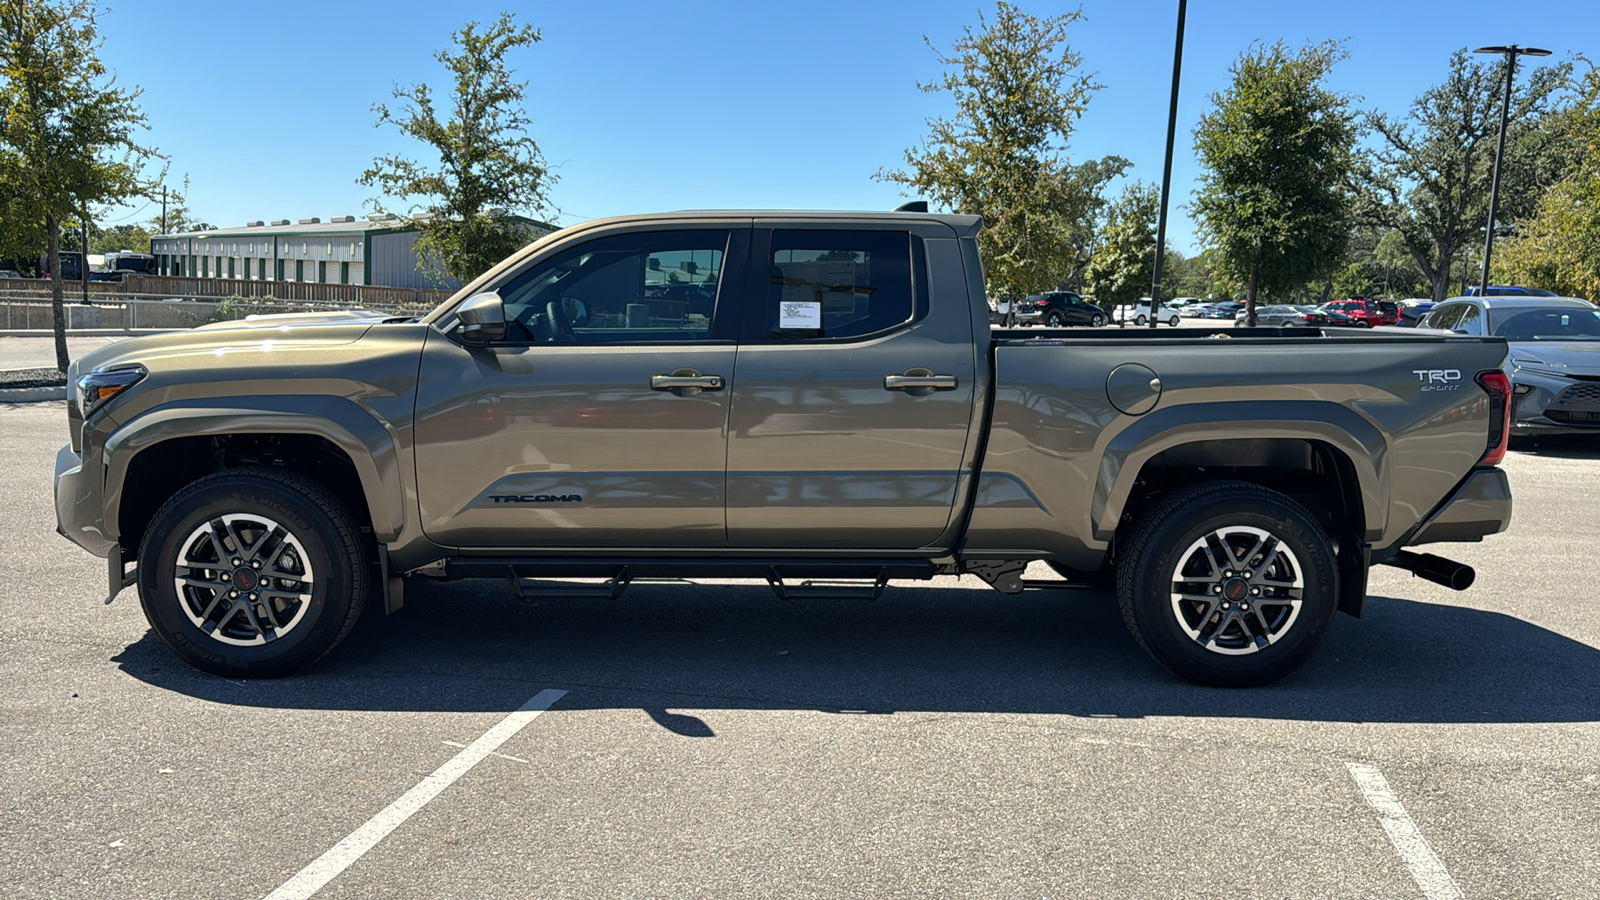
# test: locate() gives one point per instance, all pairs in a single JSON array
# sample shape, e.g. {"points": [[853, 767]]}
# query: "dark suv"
{"points": [[1058, 309]]}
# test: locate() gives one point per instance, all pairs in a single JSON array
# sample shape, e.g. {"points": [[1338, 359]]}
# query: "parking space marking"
{"points": [[1408, 841], [327, 867]]}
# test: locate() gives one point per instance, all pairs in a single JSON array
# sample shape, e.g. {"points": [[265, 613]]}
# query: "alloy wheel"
{"points": [[1237, 589], [243, 579]]}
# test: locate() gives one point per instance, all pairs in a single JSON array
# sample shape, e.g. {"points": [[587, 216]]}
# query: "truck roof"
{"points": [[964, 225]]}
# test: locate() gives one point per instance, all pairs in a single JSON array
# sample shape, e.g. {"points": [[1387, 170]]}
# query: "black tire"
{"points": [[1242, 649], [319, 540], [1173, 322], [1054, 319], [1097, 321], [1141, 321]]}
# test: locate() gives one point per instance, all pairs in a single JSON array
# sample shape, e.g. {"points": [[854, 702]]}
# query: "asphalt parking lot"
{"points": [[945, 740]]}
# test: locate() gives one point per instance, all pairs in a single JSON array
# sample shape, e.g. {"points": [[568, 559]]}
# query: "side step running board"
{"points": [[529, 587], [829, 589]]}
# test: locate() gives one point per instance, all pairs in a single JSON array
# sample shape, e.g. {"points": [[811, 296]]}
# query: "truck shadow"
{"points": [[466, 646]]}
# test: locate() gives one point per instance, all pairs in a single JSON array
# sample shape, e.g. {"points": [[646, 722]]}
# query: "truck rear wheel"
{"points": [[252, 573], [1228, 584]]}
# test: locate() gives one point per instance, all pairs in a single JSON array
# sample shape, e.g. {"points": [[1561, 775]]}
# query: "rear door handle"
{"points": [[686, 382], [919, 382]]}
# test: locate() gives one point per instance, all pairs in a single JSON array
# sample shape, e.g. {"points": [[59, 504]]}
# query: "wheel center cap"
{"points": [[1235, 589], [245, 579]]}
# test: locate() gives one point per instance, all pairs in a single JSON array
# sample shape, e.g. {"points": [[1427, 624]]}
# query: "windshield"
{"points": [[1546, 324], [135, 263]]}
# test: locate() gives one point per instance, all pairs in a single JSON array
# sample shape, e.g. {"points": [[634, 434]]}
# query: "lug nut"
{"points": [[1247, 574], [233, 593], [256, 564], [252, 597], [1216, 589], [1255, 592], [236, 560]]}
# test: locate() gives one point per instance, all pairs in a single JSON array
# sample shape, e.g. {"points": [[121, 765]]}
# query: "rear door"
{"points": [[601, 420], [853, 392]]}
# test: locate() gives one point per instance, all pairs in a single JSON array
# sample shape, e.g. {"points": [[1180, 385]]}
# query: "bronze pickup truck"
{"points": [[815, 399]]}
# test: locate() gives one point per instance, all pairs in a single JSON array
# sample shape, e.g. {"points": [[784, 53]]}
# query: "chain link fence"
{"points": [[129, 312]]}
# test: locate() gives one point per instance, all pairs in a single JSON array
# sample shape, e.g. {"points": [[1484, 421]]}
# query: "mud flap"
{"points": [[117, 577], [1355, 560]]}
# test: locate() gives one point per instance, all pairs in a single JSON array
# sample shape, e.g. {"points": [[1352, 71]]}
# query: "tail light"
{"points": [[1498, 387]]}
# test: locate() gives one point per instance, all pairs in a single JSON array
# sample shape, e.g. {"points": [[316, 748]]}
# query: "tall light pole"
{"points": [[1166, 173], [1510, 52]]}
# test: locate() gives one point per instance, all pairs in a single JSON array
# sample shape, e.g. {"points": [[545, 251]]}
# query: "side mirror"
{"points": [[483, 319]]}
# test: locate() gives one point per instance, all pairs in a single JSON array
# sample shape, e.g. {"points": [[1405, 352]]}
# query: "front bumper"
{"points": [[1479, 507], [80, 511], [1540, 392]]}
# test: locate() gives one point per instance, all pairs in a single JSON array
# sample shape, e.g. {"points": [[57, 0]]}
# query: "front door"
{"points": [[853, 398], [601, 420]]}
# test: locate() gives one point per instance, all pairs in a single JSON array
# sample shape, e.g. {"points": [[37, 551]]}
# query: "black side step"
{"points": [[829, 589], [532, 587]]}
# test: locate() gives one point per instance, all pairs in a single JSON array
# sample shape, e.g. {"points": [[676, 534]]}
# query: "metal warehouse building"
{"points": [[342, 250]]}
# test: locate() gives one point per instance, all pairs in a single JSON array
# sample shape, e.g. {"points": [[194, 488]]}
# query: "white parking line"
{"points": [[1413, 848], [327, 867]]}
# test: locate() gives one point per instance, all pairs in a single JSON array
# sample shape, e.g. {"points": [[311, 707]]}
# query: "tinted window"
{"points": [[1553, 324], [1445, 316], [1471, 320], [838, 284], [651, 286]]}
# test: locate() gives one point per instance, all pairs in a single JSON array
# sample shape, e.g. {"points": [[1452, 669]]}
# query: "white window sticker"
{"points": [[799, 314]]}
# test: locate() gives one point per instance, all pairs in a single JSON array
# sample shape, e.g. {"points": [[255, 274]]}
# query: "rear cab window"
{"points": [[838, 285]]}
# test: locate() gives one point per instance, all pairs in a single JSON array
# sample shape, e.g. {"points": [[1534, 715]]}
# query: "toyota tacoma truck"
{"points": [[814, 399]]}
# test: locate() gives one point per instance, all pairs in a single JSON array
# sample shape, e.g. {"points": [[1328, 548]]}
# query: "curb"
{"points": [[33, 394]]}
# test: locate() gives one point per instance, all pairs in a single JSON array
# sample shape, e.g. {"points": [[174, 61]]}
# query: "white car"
{"points": [[1141, 314]]}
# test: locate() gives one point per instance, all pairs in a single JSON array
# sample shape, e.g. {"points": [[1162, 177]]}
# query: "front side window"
{"points": [[644, 287], [838, 284]]}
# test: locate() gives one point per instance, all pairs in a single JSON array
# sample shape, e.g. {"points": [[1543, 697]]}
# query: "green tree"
{"points": [[1124, 264], [1276, 152], [488, 163], [1018, 92], [1430, 174], [1558, 246], [67, 129]]}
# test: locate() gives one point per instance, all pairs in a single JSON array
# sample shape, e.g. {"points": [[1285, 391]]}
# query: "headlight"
{"points": [[97, 388]]}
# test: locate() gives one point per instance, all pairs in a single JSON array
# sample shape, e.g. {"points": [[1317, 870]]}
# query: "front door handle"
{"points": [[686, 382], [920, 382]]}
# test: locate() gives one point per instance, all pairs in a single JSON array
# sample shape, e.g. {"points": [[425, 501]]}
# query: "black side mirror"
{"points": [[483, 319]]}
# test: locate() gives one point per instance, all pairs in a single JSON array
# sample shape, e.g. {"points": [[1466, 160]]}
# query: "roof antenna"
{"points": [[919, 206]]}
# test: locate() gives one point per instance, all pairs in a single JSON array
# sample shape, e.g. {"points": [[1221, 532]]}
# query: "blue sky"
{"points": [[649, 106]]}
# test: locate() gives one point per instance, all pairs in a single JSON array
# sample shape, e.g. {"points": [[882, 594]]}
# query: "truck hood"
{"points": [[1566, 357], [295, 320], [295, 331]]}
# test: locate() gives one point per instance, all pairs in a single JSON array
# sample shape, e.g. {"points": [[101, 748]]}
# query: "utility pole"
{"points": [[83, 258], [163, 209], [1166, 174], [1510, 52]]}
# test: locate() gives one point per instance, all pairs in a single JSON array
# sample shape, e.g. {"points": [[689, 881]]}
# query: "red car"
{"points": [[1367, 313]]}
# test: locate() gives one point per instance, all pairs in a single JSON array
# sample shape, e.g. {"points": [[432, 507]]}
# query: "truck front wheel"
{"points": [[1228, 584], [252, 572]]}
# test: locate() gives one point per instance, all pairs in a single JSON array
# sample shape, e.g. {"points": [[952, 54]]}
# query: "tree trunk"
{"points": [[1250, 298], [58, 307]]}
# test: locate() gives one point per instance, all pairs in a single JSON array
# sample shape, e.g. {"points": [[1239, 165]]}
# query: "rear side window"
{"points": [[1445, 316], [838, 284]]}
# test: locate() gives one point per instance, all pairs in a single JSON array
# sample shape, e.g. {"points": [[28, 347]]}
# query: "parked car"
{"points": [[999, 310], [10, 273], [1509, 290], [1139, 313], [1059, 309], [1413, 311], [1278, 317], [1227, 309], [1368, 313], [1194, 310], [1234, 492], [1555, 355]]}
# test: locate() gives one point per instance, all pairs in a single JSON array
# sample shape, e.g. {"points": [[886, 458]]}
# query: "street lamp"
{"points": [[1510, 53]]}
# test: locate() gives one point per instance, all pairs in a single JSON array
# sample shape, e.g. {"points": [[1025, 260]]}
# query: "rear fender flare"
{"points": [[1342, 428]]}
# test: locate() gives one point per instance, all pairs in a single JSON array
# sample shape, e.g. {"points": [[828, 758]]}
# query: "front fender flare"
{"points": [[1341, 427], [369, 444]]}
